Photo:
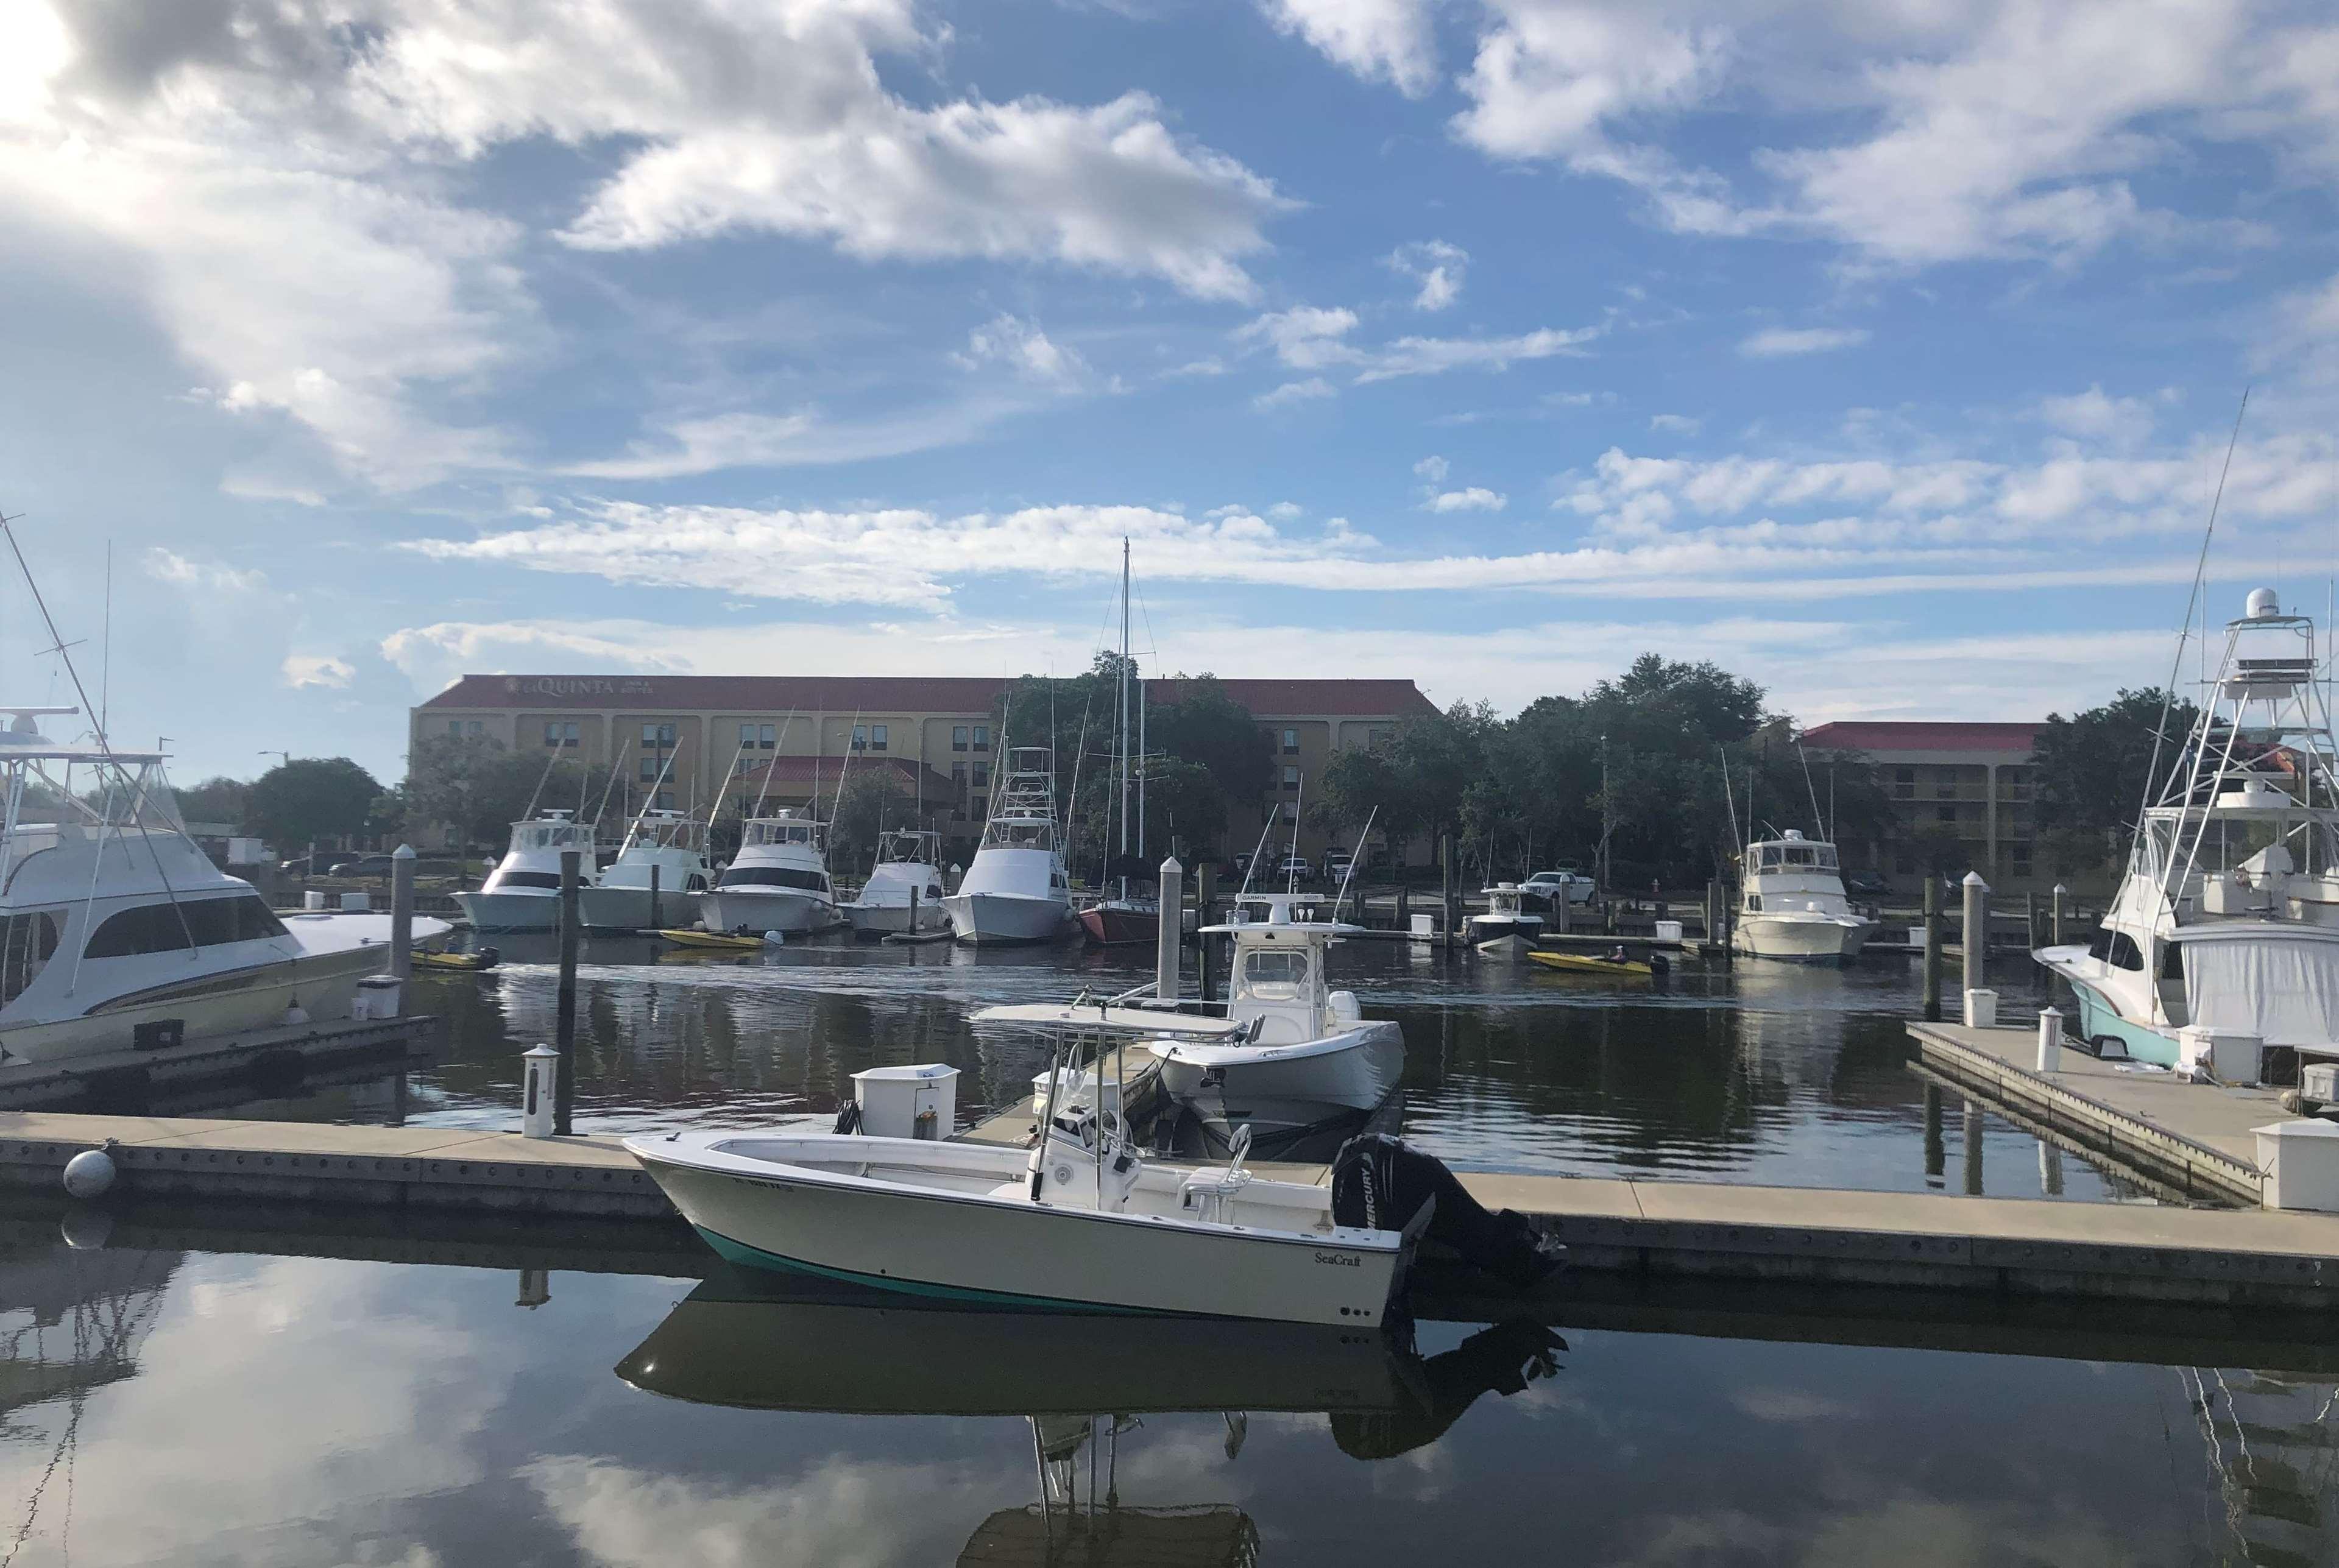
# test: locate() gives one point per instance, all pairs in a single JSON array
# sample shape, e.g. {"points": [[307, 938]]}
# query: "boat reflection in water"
{"points": [[1082, 1380]]}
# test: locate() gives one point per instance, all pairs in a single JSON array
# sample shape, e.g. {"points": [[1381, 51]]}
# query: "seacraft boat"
{"points": [[904, 895], [1601, 964], [117, 931], [523, 892], [777, 882], [673, 843], [1016, 889], [1507, 929], [1301, 1059], [2226, 921], [1082, 1219], [1793, 905]]}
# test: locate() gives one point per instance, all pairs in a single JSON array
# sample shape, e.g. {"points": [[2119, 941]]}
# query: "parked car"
{"points": [[1546, 888], [1866, 884], [1337, 862], [327, 861], [1296, 865], [364, 865]]}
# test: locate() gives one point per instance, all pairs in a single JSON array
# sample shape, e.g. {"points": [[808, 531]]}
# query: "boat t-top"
{"points": [[523, 892], [1506, 920], [904, 892], [1016, 890], [673, 842], [1793, 904], [117, 931], [2227, 917], [777, 882]]}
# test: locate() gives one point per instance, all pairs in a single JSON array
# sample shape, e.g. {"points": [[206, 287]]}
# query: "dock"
{"points": [[282, 1050], [2193, 1137]]}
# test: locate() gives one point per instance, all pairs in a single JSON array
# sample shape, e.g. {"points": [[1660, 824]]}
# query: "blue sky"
{"points": [[1884, 351]]}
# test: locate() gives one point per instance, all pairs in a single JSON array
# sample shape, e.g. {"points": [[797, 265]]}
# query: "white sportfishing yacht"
{"points": [[523, 892], [2228, 919], [1793, 904], [777, 882], [116, 931], [1017, 890], [673, 842], [904, 892]]}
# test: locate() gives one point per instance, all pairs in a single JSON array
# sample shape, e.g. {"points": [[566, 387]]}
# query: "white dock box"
{"points": [[907, 1102], [1425, 928], [2301, 1161], [1669, 931], [2230, 1058], [1073, 1086], [378, 997]]}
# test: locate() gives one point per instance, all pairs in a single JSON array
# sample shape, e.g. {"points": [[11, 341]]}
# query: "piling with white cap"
{"points": [[2050, 1040], [1168, 983]]}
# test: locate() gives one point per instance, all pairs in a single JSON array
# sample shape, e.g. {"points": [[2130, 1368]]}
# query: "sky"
{"points": [[1886, 351]]}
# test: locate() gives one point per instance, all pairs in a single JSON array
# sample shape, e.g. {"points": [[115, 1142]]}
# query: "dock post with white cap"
{"points": [[539, 1089], [656, 922], [2057, 915], [1168, 983], [565, 1014], [1981, 1002], [1932, 948]]}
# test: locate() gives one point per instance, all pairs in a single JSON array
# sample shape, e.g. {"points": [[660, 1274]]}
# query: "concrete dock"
{"points": [[2193, 1137], [1646, 1229]]}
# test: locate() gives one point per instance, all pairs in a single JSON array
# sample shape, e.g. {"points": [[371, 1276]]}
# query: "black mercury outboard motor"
{"points": [[1379, 1184], [1501, 1358]]}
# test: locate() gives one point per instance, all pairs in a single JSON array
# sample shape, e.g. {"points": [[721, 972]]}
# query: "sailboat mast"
{"points": [[1122, 674]]}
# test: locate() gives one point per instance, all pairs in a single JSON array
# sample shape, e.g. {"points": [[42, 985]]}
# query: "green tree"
{"points": [[217, 799], [311, 799], [2092, 771], [1203, 725], [472, 784], [872, 801]]}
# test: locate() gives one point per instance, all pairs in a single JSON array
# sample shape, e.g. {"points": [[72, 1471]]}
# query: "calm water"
{"points": [[178, 1398], [1771, 1073]]}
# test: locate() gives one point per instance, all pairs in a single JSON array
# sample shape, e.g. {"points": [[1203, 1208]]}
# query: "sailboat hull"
{"points": [[1120, 925]]}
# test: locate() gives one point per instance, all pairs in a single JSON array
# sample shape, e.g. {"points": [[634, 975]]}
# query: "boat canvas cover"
{"points": [[2285, 992]]}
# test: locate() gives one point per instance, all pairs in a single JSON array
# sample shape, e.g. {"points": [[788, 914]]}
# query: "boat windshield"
{"points": [[561, 834], [1275, 974], [1794, 857], [775, 832]]}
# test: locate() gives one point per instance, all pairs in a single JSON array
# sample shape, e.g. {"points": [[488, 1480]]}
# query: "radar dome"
{"points": [[2263, 602]]}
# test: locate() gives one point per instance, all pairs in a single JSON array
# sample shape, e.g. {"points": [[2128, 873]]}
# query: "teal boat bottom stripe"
{"points": [[739, 1252]]}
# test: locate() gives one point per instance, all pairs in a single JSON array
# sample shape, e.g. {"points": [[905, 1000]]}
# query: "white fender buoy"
{"points": [[86, 1229], [89, 1173], [775, 938]]}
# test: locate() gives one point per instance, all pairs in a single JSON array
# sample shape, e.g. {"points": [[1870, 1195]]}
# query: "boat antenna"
{"points": [[650, 794], [1341, 897], [106, 655], [615, 773], [542, 780], [714, 806], [1291, 872], [1818, 823], [836, 801], [2200, 568], [1729, 795], [778, 748], [1256, 851]]}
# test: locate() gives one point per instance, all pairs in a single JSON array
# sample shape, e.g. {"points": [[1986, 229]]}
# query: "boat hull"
{"points": [[1588, 964], [1005, 1251], [2099, 1019], [1106, 925], [509, 912], [1283, 1093], [323, 984], [1005, 918], [1483, 929], [893, 919], [793, 911], [1821, 941], [606, 908]]}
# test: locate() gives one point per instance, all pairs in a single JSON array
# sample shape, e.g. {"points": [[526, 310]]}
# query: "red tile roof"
{"points": [[882, 695], [1880, 735]]}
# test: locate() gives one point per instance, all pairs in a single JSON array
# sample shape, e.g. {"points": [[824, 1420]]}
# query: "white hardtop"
{"points": [[1789, 853], [1503, 898], [782, 829], [665, 830], [550, 833]]}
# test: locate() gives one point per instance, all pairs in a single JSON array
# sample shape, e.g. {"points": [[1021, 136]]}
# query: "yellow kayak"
{"points": [[713, 939], [458, 962], [1588, 964]]}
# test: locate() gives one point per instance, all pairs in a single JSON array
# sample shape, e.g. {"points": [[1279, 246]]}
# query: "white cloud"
{"points": [[1378, 40], [1773, 342], [385, 298], [1936, 132], [304, 670], [1675, 424], [1291, 392], [1436, 266], [1286, 512], [1305, 337], [1024, 349], [2091, 414], [1432, 467], [1476, 498], [805, 438], [207, 577]]}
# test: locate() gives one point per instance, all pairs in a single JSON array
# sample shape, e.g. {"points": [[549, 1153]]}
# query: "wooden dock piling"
{"points": [[565, 1017]]}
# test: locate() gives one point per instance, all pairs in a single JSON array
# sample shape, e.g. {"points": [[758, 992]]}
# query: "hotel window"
{"points": [[475, 727], [983, 776], [982, 737], [1291, 743], [658, 734], [861, 737], [958, 737], [1904, 783], [1290, 778], [755, 737], [869, 737], [980, 809], [1945, 813], [879, 737], [1290, 811], [1376, 739], [665, 800], [559, 733], [652, 766]]}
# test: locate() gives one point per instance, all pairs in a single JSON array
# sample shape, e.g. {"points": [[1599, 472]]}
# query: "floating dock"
{"points": [[2195, 1138], [1648, 1231]]}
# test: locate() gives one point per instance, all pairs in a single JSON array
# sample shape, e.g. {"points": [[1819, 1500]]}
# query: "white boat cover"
{"points": [[2285, 992]]}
